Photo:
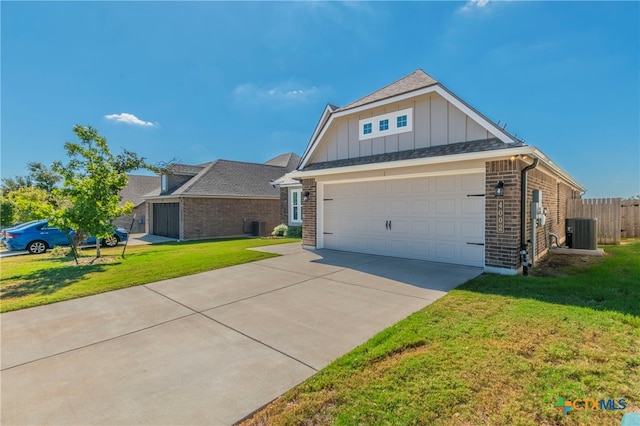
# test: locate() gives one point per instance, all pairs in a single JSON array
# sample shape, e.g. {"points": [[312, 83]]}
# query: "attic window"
{"points": [[387, 124], [163, 183]]}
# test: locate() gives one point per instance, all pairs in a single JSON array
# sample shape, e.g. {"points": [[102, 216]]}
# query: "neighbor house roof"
{"points": [[289, 160], [137, 187], [226, 178]]}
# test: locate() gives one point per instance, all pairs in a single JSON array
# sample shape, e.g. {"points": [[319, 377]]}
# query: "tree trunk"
{"points": [[97, 248]]}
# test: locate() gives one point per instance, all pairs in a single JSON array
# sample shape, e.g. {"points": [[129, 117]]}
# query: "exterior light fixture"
{"points": [[305, 194], [500, 189]]}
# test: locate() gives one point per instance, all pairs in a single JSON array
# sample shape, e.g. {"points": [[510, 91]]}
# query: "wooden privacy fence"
{"points": [[616, 218]]}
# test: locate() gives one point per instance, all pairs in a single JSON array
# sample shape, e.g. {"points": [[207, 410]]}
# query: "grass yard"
{"points": [[495, 351], [33, 280]]}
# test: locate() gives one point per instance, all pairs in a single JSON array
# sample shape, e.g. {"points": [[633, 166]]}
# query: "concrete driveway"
{"points": [[208, 348]]}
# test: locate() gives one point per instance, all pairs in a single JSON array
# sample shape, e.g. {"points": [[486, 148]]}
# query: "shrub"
{"points": [[60, 251], [280, 230], [294, 232]]}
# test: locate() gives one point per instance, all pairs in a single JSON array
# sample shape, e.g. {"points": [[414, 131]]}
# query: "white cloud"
{"points": [[127, 118], [283, 92], [474, 4]]}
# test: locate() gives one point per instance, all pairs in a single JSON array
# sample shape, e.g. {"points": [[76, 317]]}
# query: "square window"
{"points": [[367, 128], [402, 121], [384, 125]]}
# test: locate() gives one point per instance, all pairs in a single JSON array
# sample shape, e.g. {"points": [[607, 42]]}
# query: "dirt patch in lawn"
{"points": [[558, 265]]}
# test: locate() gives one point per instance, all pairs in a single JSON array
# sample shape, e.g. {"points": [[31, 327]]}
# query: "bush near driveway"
{"points": [[495, 351], [37, 280]]}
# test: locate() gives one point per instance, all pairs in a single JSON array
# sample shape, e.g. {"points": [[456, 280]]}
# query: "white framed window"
{"points": [[163, 183], [295, 206], [391, 123]]}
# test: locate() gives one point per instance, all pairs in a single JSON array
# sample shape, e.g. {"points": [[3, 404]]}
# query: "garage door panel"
{"points": [[419, 207], [421, 227], [472, 206], [445, 183], [470, 252], [432, 218], [446, 206], [472, 231], [399, 207], [420, 185], [445, 252], [445, 229]]}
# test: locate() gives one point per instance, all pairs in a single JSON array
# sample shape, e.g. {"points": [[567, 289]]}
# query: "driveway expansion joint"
{"points": [[98, 342], [260, 342]]}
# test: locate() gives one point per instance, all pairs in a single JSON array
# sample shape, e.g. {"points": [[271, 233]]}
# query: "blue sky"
{"points": [[197, 81]]}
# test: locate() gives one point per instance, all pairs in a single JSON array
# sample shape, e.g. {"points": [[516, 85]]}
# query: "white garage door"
{"points": [[432, 218]]}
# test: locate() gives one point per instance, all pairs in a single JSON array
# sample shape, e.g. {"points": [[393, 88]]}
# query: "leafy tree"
{"points": [[91, 181], [7, 209], [30, 203], [40, 176]]}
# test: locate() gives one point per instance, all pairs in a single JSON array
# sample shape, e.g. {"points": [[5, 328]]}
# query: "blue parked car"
{"points": [[39, 236], [3, 236]]}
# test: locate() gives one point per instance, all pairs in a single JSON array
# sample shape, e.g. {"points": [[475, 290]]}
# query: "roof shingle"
{"points": [[414, 81]]}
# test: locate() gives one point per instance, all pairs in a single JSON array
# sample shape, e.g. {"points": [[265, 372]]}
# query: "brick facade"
{"points": [[309, 213], [284, 205], [554, 197], [225, 217], [502, 250]]}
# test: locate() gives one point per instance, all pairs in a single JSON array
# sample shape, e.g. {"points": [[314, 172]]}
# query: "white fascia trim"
{"points": [[319, 127], [446, 94], [290, 185]]}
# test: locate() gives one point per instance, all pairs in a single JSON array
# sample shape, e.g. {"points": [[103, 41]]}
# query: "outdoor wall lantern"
{"points": [[305, 194], [500, 189]]}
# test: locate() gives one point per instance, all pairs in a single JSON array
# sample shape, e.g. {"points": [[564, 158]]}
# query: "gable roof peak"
{"points": [[414, 81]]}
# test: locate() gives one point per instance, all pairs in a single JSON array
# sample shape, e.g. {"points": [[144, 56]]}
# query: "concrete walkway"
{"points": [[208, 348]]}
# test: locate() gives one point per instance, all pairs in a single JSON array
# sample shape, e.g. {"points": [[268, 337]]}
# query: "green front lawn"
{"points": [[33, 280], [495, 351]]}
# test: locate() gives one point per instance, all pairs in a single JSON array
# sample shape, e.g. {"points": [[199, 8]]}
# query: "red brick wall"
{"points": [[554, 197], [502, 250], [309, 213], [222, 217]]}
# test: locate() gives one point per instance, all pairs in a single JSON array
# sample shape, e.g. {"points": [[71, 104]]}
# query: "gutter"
{"points": [[523, 216]]}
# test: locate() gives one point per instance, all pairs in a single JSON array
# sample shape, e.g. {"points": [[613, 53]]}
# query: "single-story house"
{"points": [[411, 170], [136, 188], [222, 198]]}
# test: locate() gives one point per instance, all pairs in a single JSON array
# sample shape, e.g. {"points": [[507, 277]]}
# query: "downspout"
{"points": [[523, 216]]}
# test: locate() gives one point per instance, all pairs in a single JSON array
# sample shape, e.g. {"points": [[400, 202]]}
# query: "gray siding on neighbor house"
{"points": [[435, 122]]}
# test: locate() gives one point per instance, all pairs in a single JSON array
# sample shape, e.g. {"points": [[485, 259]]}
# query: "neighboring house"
{"points": [[217, 199], [413, 171], [137, 187]]}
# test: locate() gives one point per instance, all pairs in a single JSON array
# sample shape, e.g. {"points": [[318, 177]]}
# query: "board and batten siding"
{"points": [[435, 122]]}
